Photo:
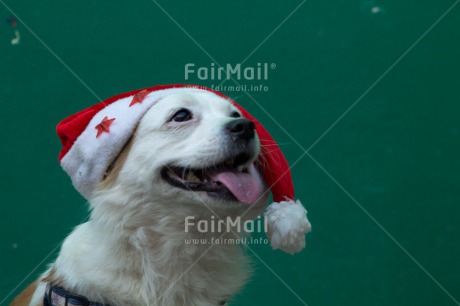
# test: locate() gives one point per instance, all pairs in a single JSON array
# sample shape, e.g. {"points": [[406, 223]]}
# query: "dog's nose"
{"points": [[241, 128]]}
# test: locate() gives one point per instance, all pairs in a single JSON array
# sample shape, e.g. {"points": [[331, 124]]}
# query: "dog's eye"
{"points": [[235, 115], [181, 115]]}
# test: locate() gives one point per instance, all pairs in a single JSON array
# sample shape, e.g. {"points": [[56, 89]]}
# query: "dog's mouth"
{"points": [[233, 179]]}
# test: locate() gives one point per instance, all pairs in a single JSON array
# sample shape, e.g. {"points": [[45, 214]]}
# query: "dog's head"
{"points": [[194, 148], [174, 151]]}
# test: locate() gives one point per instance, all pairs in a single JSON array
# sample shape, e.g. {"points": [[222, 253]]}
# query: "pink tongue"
{"points": [[246, 187]]}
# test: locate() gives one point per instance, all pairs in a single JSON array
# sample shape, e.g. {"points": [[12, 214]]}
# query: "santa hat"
{"points": [[93, 138]]}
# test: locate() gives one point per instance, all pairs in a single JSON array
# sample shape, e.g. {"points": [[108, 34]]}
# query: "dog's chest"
{"points": [[174, 274]]}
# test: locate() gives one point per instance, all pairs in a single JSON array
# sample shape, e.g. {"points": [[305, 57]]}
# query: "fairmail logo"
{"points": [[228, 71], [227, 225]]}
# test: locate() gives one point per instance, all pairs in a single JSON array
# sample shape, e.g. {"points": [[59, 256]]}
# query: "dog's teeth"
{"points": [[184, 174], [191, 177], [240, 168]]}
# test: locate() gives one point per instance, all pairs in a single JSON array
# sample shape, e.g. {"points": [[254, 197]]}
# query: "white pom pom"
{"points": [[287, 225]]}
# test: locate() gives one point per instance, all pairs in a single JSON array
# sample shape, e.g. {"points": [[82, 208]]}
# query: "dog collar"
{"points": [[58, 296]]}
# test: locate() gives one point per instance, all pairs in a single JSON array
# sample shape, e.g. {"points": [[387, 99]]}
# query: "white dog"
{"points": [[189, 153]]}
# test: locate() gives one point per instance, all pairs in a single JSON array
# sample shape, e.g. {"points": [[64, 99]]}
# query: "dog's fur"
{"points": [[133, 250]]}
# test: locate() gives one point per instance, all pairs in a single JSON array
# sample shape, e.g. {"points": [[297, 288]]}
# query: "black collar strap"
{"points": [[58, 296]]}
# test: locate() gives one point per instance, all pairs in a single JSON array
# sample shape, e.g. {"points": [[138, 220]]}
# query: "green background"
{"points": [[383, 195]]}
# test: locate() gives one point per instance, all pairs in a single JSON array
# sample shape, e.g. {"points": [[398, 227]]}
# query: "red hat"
{"points": [[93, 138]]}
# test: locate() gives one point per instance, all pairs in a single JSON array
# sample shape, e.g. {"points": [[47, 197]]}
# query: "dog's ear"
{"points": [[114, 169]]}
